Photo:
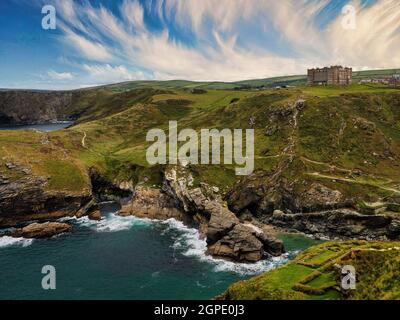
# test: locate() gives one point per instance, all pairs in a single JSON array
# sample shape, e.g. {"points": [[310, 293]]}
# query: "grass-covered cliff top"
{"points": [[26, 153], [347, 138], [314, 274]]}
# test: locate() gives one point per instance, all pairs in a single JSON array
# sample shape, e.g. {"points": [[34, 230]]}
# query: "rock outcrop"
{"points": [[105, 190], [226, 235], [152, 204], [41, 230], [310, 208], [27, 199], [202, 207], [261, 194], [343, 224]]}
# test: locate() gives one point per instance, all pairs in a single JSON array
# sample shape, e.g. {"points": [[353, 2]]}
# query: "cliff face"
{"points": [[322, 163], [27, 107], [27, 199], [227, 236]]}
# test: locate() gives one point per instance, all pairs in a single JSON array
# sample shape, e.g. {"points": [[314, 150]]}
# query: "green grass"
{"points": [[330, 91], [121, 135], [52, 159], [344, 138], [294, 80], [329, 132], [320, 258], [64, 176], [377, 274]]}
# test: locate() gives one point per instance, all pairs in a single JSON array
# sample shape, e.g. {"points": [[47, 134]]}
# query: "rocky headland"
{"points": [[226, 235], [325, 166]]}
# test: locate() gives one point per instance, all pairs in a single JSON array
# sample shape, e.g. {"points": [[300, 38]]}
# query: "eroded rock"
{"points": [[41, 230], [226, 235], [343, 223], [27, 199], [152, 204]]}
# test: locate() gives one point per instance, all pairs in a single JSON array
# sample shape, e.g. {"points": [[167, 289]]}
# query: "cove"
{"points": [[125, 258]]}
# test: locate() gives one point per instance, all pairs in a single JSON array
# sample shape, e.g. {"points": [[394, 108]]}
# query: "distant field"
{"points": [[326, 91], [295, 80]]}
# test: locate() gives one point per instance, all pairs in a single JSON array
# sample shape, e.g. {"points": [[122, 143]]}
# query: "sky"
{"points": [[107, 41]]}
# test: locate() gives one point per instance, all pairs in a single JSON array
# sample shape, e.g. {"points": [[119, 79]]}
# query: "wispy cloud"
{"points": [[107, 73], [124, 45], [60, 75]]}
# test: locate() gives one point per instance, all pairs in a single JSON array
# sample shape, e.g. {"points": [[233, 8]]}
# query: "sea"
{"points": [[124, 258]]}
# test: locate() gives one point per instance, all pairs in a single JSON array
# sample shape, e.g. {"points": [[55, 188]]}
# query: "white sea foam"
{"points": [[10, 241], [188, 242], [110, 223], [193, 246]]}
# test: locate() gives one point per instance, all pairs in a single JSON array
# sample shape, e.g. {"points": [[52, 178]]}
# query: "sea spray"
{"points": [[192, 245], [187, 242], [10, 241]]}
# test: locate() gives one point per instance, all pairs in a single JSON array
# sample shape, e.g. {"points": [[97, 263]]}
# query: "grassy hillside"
{"points": [[39, 154], [314, 274], [346, 139], [353, 130], [294, 80], [340, 132]]}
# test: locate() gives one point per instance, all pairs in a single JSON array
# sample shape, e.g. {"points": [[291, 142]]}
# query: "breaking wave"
{"points": [[187, 241], [110, 223], [10, 241], [193, 246]]}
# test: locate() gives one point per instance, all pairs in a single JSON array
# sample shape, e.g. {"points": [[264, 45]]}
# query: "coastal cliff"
{"points": [[327, 166], [227, 236], [27, 107]]}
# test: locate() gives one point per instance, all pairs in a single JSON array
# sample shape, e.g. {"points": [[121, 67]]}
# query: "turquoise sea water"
{"points": [[124, 258]]}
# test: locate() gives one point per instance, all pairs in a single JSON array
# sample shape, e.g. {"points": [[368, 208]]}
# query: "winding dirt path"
{"points": [[317, 174], [83, 140]]}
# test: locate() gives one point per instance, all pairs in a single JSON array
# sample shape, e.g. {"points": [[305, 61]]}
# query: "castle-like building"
{"points": [[335, 75]]}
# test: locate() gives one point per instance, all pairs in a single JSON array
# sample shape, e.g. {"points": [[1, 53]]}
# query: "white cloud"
{"points": [[88, 49], [375, 41], [60, 75], [115, 45], [102, 74]]}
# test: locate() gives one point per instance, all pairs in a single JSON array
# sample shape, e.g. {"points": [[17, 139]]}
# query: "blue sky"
{"points": [[107, 41]]}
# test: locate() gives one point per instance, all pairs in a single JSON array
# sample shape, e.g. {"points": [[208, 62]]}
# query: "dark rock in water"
{"points": [[239, 244], [91, 208], [220, 224], [272, 245], [41, 230], [95, 215], [245, 243]]}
